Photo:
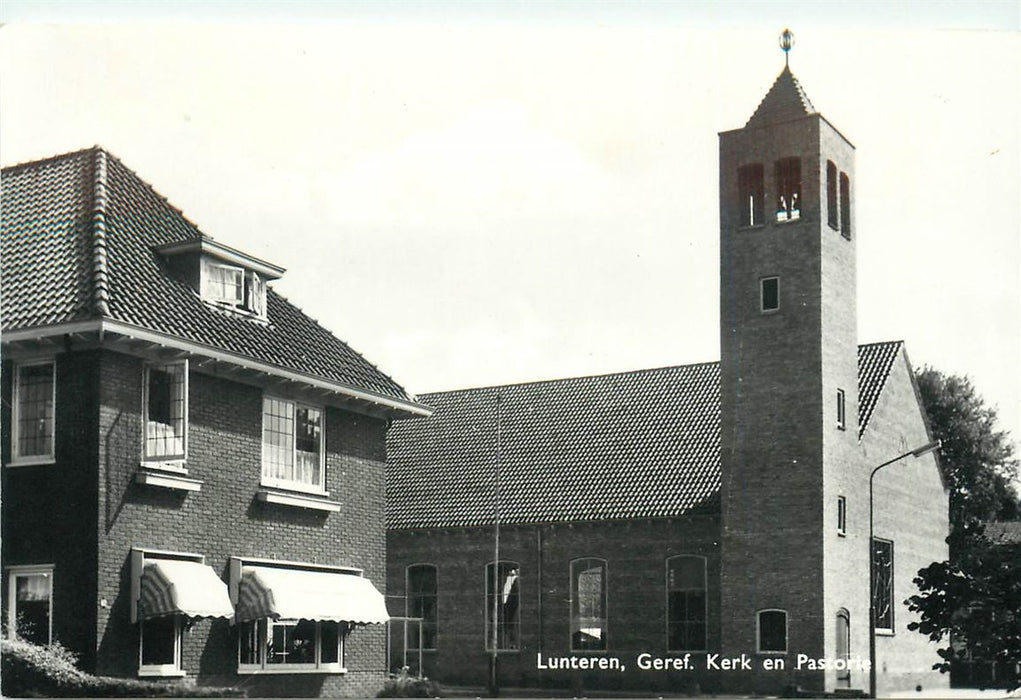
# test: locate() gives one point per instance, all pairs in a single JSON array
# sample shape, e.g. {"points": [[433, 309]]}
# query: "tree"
{"points": [[977, 458], [973, 600]]}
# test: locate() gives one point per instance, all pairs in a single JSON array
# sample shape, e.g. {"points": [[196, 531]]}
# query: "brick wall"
{"points": [[224, 519], [48, 510], [635, 552], [911, 509]]}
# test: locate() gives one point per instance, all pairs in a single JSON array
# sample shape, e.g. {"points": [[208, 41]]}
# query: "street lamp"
{"points": [[917, 452]]}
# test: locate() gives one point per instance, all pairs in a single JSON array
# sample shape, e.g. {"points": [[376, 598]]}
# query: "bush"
{"points": [[29, 670], [404, 685]]}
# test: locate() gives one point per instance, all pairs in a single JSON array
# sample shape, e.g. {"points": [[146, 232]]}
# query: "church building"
{"points": [[699, 527]]}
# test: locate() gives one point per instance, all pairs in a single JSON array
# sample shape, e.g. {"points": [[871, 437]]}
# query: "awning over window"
{"points": [[309, 595], [175, 586]]}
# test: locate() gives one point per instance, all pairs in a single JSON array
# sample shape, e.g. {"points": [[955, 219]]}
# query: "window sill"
{"points": [[175, 466], [293, 486], [31, 461], [885, 633], [297, 500], [161, 673], [167, 480], [259, 671], [504, 651]]}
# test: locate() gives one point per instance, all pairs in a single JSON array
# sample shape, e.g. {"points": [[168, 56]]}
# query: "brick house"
{"points": [[193, 474], [685, 512]]}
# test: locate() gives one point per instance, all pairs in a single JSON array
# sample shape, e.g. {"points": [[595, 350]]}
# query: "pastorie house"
{"points": [[193, 469], [633, 530]]}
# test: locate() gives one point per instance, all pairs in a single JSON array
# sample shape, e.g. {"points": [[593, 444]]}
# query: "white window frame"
{"points": [[762, 294], [841, 410], [207, 283], [174, 669], [288, 484], [488, 607], [841, 516], [264, 627], [407, 605], [786, 632], [17, 460], [172, 463], [887, 631], [604, 593], [13, 572]]}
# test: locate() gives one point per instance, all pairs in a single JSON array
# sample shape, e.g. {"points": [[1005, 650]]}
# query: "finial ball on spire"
{"points": [[786, 40]]}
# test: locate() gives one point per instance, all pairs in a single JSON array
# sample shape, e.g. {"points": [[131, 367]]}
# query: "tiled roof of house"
{"points": [[78, 242], [786, 100], [642, 444]]}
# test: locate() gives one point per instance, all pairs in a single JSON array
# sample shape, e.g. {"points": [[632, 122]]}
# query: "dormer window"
{"points": [[223, 284], [222, 275], [788, 189]]}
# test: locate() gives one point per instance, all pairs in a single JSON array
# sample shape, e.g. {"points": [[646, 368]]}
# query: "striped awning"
{"points": [[280, 593], [175, 586]]}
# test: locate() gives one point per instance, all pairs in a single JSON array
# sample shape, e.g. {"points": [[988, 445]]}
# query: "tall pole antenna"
{"points": [[494, 683]]}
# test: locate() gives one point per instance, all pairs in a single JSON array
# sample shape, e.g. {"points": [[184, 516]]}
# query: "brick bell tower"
{"points": [[789, 421]]}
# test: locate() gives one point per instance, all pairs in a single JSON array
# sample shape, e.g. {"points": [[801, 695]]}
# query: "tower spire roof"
{"points": [[786, 100]]}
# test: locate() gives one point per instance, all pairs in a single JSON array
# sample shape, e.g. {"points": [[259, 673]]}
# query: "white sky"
{"points": [[480, 194]]}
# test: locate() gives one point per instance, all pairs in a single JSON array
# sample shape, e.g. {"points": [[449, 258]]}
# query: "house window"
{"points": [[882, 584], [751, 194], [30, 603], [225, 284], [421, 603], [845, 206], [588, 605], [788, 189], [841, 410], [166, 410], [291, 645], [503, 608], [832, 210], [159, 646], [234, 286], [841, 516], [769, 296], [772, 631], [34, 400], [686, 603], [292, 445]]}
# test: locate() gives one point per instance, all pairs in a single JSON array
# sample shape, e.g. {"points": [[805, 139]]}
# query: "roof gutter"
{"points": [[105, 325]]}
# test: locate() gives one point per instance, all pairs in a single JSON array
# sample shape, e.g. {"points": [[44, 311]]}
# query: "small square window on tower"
{"points": [[841, 410], [788, 189], [832, 210], [770, 293], [751, 190]]}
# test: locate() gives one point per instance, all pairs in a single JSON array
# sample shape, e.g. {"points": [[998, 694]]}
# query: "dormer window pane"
{"points": [[225, 284], [788, 189]]}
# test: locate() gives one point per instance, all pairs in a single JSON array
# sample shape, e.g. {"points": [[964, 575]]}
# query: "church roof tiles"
{"points": [[643, 444]]}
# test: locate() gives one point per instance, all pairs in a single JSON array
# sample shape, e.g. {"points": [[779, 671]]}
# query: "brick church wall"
{"points": [[635, 551]]}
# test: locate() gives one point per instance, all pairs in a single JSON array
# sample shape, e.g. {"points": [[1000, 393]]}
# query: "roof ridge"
{"points": [[554, 380], [48, 159], [100, 279]]}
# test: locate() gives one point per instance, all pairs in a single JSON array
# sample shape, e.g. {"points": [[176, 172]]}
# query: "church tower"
{"points": [[789, 421]]}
